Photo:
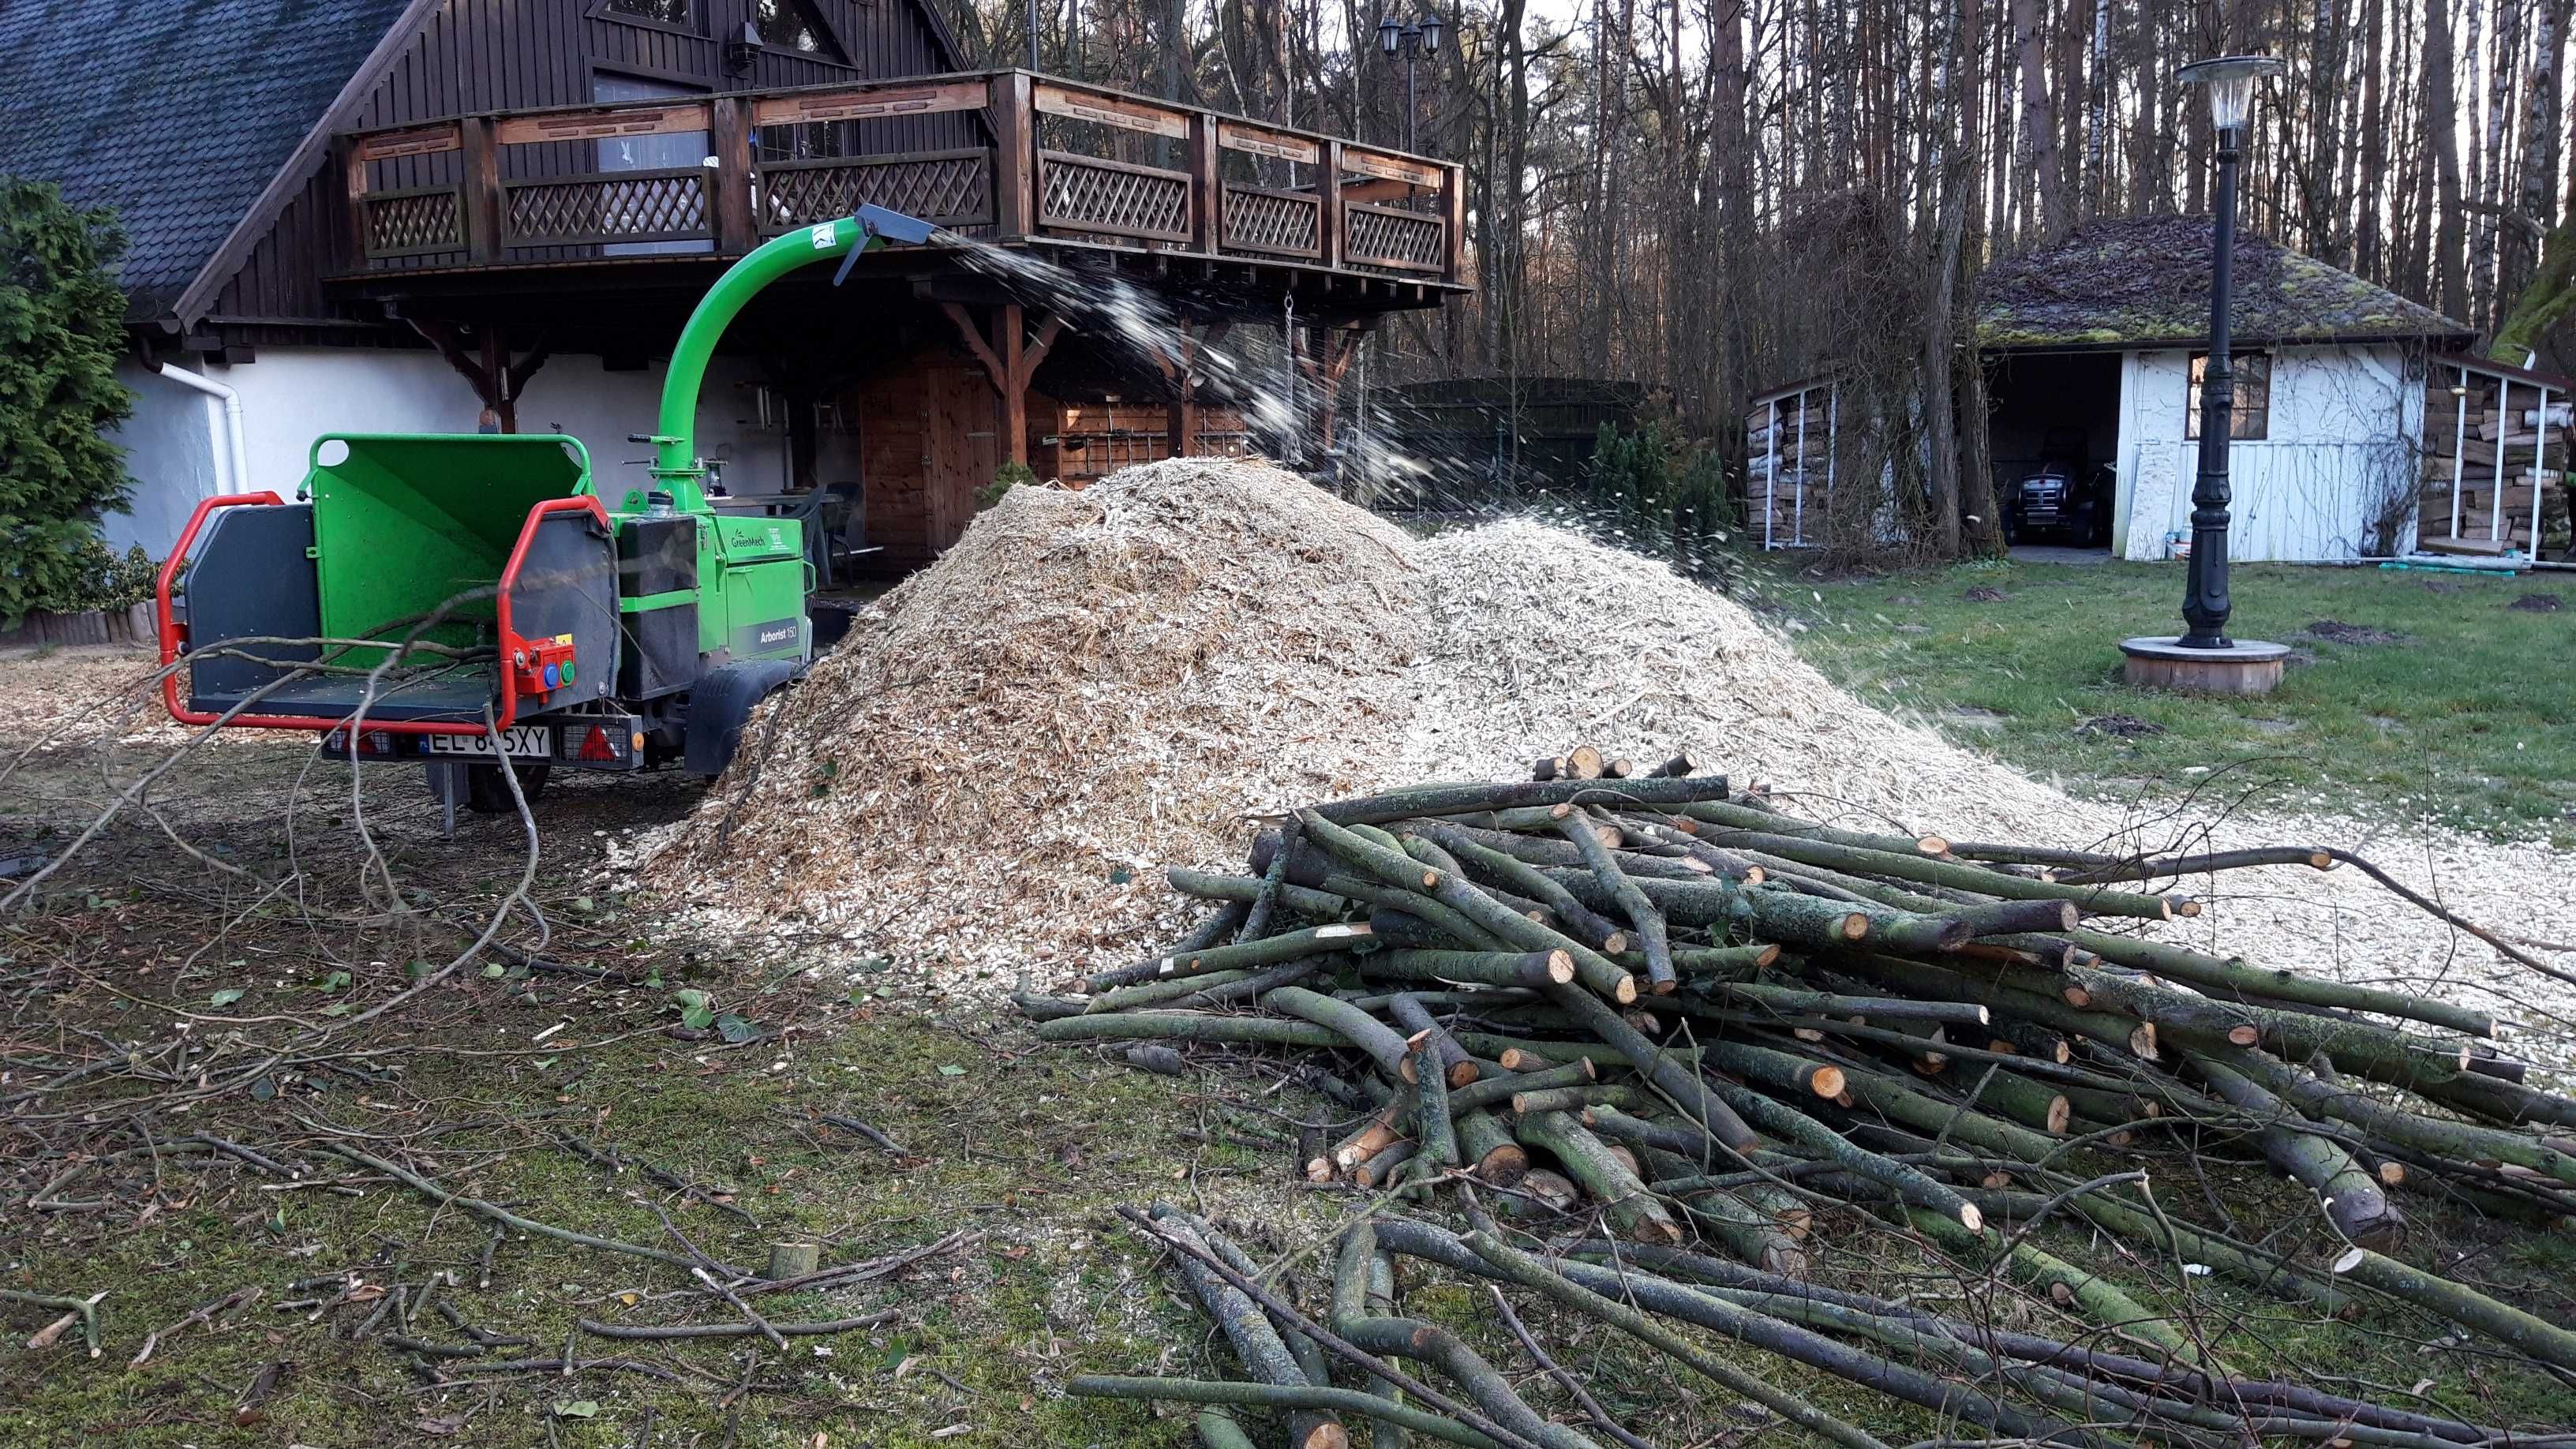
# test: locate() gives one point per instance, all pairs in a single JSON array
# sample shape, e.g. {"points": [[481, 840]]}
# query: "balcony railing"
{"points": [[1027, 158]]}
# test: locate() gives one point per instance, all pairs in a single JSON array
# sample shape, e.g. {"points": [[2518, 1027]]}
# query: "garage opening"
{"points": [[2053, 431]]}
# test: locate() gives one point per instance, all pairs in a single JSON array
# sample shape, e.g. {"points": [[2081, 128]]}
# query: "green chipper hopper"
{"points": [[468, 599]]}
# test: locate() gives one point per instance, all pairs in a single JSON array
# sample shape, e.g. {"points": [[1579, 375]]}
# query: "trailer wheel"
{"points": [[719, 703], [486, 793]]}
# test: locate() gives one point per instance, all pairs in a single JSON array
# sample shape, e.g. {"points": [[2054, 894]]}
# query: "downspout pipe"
{"points": [[677, 467], [236, 453]]}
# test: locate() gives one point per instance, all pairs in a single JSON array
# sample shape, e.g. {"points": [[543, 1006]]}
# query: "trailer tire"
{"points": [[718, 705], [486, 793]]}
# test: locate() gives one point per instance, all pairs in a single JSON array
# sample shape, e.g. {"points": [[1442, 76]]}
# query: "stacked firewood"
{"points": [[1668, 1024]]}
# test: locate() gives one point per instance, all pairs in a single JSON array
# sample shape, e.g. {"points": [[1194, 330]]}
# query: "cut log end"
{"points": [[1615, 943], [2244, 1036], [1560, 967], [2392, 1174], [1464, 1074], [2142, 1042], [2059, 1112], [1770, 954], [1619, 769], [1971, 1219], [1855, 926], [1584, 762], [1326, 1436], [1505, 1166], [1932, 845], [1543, 770], [2352, 1258], [1996, 1181], [1826, 1081], [2319, 860], [1625, 991]]}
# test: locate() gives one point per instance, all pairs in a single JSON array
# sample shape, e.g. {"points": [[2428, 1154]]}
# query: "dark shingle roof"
{"points": [[174, 112], [2144, 282]]}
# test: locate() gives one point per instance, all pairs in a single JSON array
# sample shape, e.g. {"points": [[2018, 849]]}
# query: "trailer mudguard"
{"points": [[719, 705]]}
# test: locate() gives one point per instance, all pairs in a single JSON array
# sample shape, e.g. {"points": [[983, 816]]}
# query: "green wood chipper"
{"points": [[465, 600]]}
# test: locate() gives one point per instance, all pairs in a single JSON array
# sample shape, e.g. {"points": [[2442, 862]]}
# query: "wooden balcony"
{"points": [[1020, 159]]}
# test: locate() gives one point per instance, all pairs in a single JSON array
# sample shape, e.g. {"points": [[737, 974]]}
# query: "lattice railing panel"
{"points": [[950, 188], [618, 207], [409, 223], [1273, 221], [1381, 236], [1087, 194]]}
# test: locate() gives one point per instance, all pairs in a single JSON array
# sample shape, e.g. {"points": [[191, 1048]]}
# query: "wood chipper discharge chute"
{"points": [[462, 599]]}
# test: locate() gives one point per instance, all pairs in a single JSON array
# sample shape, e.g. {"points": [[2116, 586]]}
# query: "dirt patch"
{"points": [[1985, 594], [2335, 631], [2538, 603]]}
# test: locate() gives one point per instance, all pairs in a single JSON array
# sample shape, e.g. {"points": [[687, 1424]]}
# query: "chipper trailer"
{"points": [[464, 600]]}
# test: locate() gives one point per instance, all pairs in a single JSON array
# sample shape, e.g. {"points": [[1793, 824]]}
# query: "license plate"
{"points": [[537, 741]]}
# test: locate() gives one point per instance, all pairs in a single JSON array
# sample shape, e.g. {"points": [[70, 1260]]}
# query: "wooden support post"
{"points": [[1207, 188], [483, 205], [1014, 155], [730, 184], [1009, 344], [1324, 369], [1010, 359], [353, 188], [1328, 191], [1454, 203]]}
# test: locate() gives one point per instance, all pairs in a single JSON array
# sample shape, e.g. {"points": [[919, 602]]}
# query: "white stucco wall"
{"points": [[292, 395], [2342, 442]]}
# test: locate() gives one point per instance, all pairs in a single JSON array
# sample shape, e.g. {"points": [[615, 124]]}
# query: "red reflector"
{"points": [[596, 745]]}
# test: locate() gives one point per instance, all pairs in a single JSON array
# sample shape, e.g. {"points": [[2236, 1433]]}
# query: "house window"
{"points": [[668, 12], [2252, 416], [783, 23]]}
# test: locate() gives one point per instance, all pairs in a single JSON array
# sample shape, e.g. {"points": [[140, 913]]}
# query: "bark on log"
{"points": [[1502, 868], [1190, 1026], [1488, 1149], [1478, 1380], [1631, 1208], [2465, 1306], [2354, 1200], [1415, 1018], [1257, 1345], [1654, 941], [1493, 968], [1682, 1084], [1440, 799], [1378, 1041]]}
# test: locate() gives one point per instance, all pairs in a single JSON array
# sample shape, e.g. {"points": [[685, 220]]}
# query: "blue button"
{"points": [[554, 676]]}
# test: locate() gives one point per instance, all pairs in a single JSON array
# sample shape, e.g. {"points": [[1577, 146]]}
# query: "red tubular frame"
{"points": [[173, 641]]}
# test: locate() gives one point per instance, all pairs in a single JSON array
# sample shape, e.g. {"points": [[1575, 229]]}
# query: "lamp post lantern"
{"points": [[2202, 656], [1412, 42]]}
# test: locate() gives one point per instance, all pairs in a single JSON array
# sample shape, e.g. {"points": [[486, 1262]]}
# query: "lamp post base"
{"points": [[2247, 666]]}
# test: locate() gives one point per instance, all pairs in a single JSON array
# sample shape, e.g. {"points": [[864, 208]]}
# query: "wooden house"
{"points": [[2093, 350], [434, 215]]}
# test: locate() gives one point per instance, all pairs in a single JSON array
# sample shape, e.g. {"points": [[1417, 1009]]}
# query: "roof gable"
{"points": [[2144, 282], [176, 113]]}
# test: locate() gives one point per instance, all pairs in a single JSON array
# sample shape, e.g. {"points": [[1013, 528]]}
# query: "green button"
{"points": [[567, 671]]}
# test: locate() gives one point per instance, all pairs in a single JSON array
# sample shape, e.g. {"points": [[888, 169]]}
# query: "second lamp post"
{"points": [[1413, 41]]}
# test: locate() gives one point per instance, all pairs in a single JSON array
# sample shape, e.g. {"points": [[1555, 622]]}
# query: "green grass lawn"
{"points": [[2466, 716]]}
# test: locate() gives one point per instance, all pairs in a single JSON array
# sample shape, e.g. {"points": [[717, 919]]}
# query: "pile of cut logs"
{"points": [[1668, 1029]]}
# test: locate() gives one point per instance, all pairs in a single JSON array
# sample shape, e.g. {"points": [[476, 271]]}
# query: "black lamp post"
{"points": [[2203, 658], [2205, 605], [1411, 41]]}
